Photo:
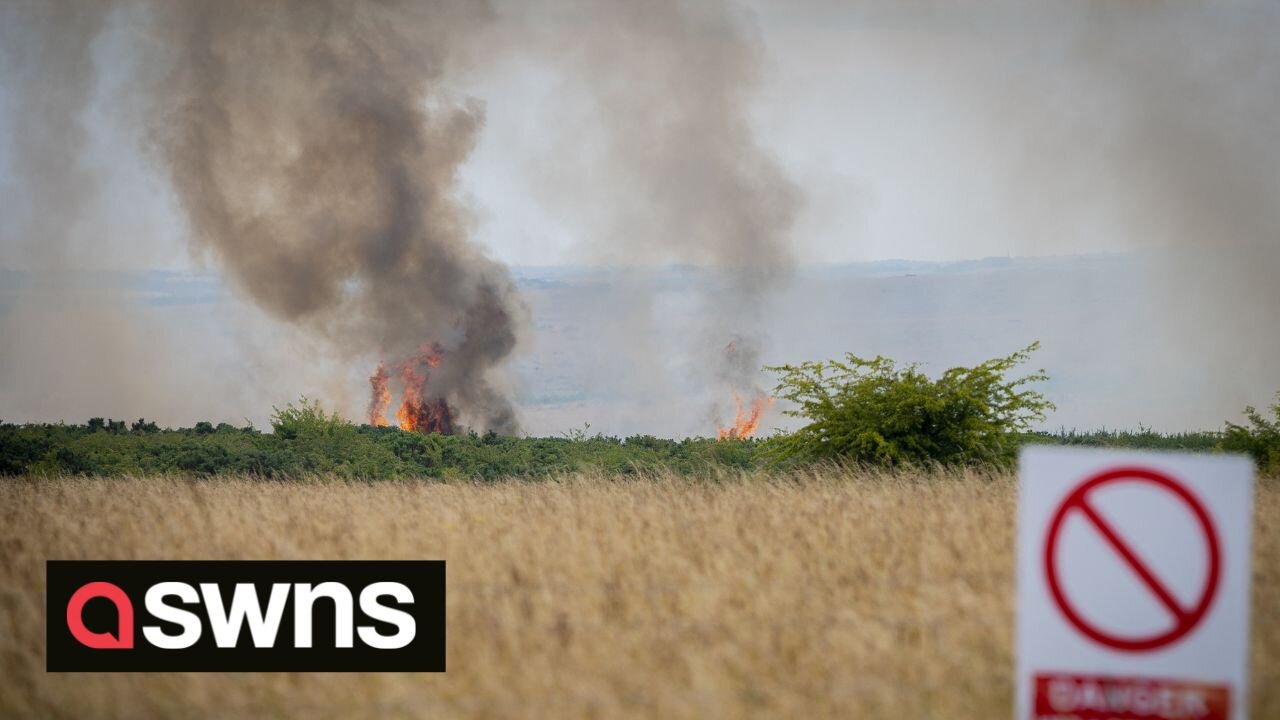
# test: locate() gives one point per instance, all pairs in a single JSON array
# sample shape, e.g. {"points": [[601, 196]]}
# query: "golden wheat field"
{"points": [[828, 594]]}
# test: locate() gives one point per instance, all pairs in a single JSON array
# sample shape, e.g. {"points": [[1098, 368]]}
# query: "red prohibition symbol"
{"points": [[1185, 618]]}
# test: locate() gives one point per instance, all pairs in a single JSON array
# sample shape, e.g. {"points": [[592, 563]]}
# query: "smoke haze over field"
{"points": [[1193, 140], [360, 174], [659, 96]]}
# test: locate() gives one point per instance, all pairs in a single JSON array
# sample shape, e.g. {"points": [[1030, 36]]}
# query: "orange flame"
{"points": [[424, 415], [745, 420], [379, 397]]}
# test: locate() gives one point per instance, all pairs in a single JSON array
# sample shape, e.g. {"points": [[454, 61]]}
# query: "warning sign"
{"points": [[1133, 584], [1184, 618], [1115, 698]]}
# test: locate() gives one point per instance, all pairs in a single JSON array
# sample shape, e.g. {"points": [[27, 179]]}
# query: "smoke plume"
{"points": [[704, 191], [678, 175], [673, 82], [314, 149]]}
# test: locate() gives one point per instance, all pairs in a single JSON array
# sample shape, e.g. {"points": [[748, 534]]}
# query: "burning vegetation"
{"points": [[379, 396], [738, 365], [416, 412], [746, 417]]}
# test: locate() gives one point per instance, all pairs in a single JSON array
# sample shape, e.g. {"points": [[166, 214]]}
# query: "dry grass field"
{"points": [[823, 595]]}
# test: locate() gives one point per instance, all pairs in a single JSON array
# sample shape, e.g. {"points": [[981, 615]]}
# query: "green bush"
{"points": [[306, 418], [875, 412], [1261, 438]]}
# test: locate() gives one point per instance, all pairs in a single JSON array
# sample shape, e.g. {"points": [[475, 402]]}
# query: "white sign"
{"points": [[1133, 585]]}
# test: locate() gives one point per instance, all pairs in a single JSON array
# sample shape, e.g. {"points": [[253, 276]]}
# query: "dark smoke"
{"points": [[314, 149]]}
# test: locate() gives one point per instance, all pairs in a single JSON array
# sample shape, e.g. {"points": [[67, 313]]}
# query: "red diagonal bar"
{"points": [[1134, 563]]}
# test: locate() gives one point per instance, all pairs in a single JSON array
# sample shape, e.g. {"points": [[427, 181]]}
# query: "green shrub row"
{"points": [[365, 452], [857, 412], [351, 451]]}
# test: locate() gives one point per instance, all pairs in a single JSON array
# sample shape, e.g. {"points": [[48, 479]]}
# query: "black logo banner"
{"points": [[245, 616]]}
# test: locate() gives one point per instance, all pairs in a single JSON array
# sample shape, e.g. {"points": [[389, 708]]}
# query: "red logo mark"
{"points": [[123, 639], [1184, 618]]}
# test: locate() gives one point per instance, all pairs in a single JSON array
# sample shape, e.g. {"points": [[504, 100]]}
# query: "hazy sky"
{"points": [[894, 124], [901, 128], [618, 132]]}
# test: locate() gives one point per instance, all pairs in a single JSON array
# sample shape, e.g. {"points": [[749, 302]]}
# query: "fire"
{"points": [[740, 359], [416, 413], [379, 397], [746, 420]]}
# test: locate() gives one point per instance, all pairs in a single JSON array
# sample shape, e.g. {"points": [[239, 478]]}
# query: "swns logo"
{"points": [[258, 616]]}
